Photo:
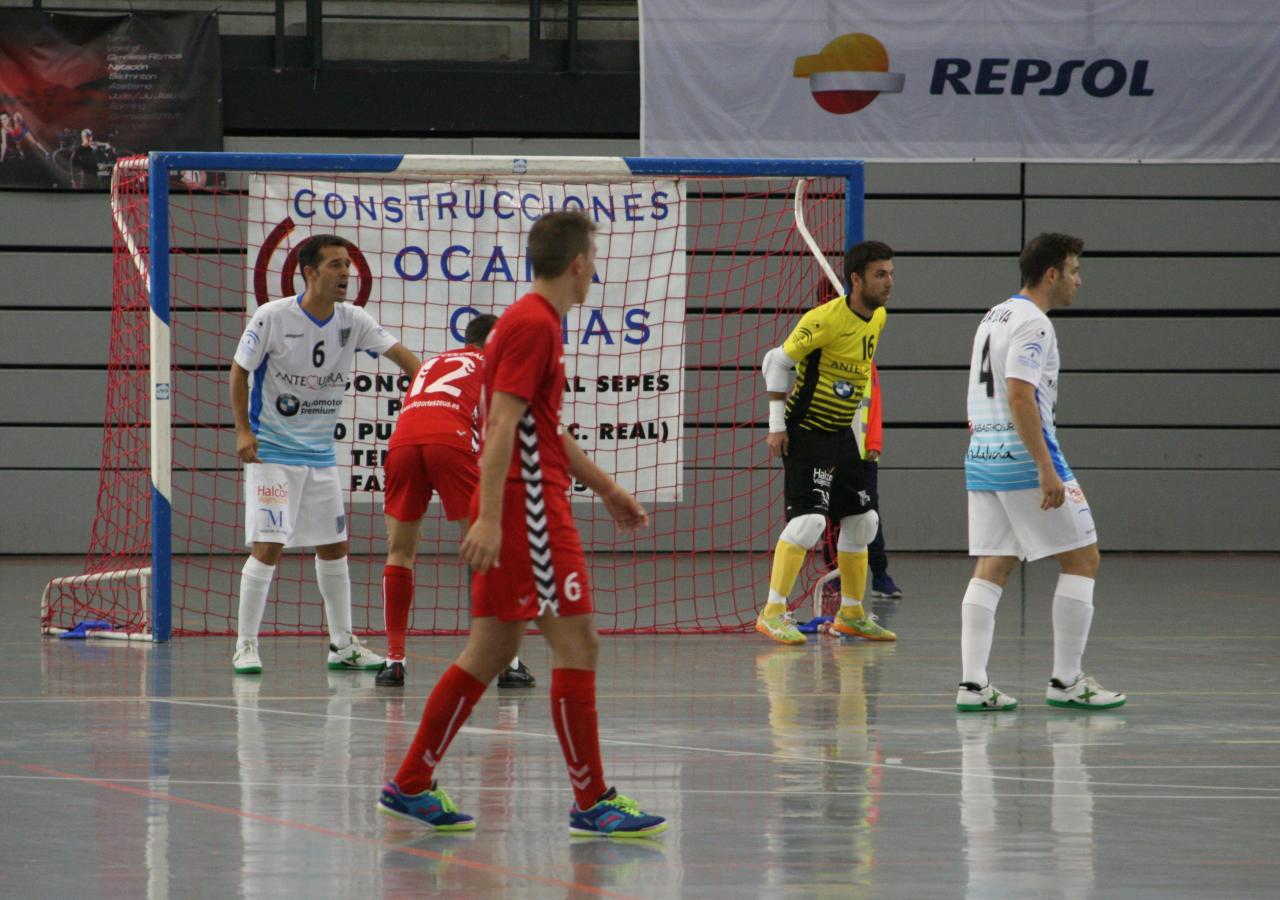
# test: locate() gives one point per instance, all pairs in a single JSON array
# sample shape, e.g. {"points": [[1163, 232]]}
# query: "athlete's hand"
{"points": [[482, 544], [777, 441], [626, 510], [247, 447], [1053, 493]]}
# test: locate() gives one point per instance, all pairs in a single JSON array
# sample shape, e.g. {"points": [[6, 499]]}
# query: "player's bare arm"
{"points": [[1026, 419], [625, 509], [405, 358], [246, 440], [483, 542]]}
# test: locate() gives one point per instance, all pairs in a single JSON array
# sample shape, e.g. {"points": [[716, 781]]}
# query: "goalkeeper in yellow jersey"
{"points": [[829, 355]]}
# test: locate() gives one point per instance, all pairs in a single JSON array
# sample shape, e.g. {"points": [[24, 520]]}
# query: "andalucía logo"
{"points": [[849, 73]]}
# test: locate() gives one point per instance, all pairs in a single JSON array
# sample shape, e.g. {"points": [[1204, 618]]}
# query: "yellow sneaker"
{"points": [[781, 628], [864, 627]]}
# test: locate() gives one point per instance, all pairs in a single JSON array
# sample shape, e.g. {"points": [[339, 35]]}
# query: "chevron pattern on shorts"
{"points": [[535, 516]]}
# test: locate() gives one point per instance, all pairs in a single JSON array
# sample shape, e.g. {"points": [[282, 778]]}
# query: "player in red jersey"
{"points": [[526, 554], [433, 451]]}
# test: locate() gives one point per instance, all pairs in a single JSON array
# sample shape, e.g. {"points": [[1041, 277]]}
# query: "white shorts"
{"points": [[1011, 523], [298, 506]]}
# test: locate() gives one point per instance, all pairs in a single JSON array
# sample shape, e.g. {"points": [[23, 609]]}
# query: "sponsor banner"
{"points": [[1176, 80], [432, 255], [77, 92]]}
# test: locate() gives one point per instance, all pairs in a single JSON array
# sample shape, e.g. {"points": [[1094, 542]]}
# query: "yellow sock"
{"points": [[787, 560], [853, 578]]}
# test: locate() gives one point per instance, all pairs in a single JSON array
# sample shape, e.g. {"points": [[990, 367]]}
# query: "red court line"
{"points": [[487, 868]]}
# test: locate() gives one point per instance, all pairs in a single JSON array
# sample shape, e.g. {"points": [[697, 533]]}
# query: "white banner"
{"points": [[961, 79], [432, 255]]}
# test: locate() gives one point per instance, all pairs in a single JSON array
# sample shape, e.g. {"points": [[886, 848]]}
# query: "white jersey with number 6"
{"points": [[299, 368], [1014, 340]]}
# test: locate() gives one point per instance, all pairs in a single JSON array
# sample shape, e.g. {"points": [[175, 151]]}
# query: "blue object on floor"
{"points": [[814, 625], [82, 630]]}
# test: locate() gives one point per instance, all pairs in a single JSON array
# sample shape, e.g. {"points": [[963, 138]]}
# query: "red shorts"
{"points": [[415, 471], [509, 591]]}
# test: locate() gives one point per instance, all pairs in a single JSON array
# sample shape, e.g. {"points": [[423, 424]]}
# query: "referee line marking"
{"points": [[487, 868], [619, 742]]}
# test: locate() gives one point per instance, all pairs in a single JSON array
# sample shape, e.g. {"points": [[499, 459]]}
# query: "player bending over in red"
{"points": [[433, 451]]}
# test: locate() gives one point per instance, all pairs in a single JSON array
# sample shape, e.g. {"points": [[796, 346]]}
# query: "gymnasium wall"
{"points": [[1170, 403]]}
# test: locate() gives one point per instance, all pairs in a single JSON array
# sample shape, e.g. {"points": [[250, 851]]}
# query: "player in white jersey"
{"points": [[1024, 501], [290, 372]]}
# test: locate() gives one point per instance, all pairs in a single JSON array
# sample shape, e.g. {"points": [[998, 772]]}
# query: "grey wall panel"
{"points": [[1114, 344], [946, 226], [60, 509], [1243, 180], [1169, 510], [1087, 398], [38, 337], [957, 226], [84, 220], [50, 279], [923, 509], [1162, 226], [55, 397], [943, 178], [335, 144], [55, 220], [978, 283], [1165, 400], [35, 447], [1190, 284], [511, 146], [719, 339]]}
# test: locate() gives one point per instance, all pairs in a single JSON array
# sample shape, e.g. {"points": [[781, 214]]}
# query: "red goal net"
{"points": [[699, 276]]}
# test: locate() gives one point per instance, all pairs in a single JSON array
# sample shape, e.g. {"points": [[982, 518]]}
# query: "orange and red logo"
{"points": [[848, 73]]}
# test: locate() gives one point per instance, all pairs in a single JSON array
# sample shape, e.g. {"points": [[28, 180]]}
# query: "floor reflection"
{"points": [[1012, 842], [822, 710]]}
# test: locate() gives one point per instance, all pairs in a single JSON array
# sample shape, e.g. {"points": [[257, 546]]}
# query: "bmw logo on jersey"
{"points": [[287, 404], [842, 389]]}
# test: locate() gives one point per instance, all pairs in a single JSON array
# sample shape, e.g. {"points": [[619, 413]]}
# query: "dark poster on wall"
{"points": [[78, 92]]}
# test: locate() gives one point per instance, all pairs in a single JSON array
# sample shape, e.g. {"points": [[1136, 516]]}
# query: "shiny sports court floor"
{"points": [[827, 770]]}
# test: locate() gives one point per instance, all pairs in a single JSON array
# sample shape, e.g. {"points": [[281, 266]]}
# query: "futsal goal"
{"points": [[702, 266]]}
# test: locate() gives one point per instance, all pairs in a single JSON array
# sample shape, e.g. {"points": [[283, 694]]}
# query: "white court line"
{"points": [[651, 790], [650, 745]]}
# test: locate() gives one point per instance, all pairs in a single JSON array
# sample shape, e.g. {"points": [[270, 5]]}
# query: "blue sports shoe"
{"points": [[883, 586], [614, 816], [433, 808]]}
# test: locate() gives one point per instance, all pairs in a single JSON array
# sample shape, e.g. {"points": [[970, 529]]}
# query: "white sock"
{"points": [[515, 663], [334, 580], [1072, 615], [977, 628], [255, 584]]}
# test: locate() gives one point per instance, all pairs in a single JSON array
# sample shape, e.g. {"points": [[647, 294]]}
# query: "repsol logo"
{"points": [[1005, 75]]}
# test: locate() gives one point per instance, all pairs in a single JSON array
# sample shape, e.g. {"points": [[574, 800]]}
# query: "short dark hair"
{"points": [[309, 251], [555, 239], [1045, 251], [861, 255], [478, 329]]}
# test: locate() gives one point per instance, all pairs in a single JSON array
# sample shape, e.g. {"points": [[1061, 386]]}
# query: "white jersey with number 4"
{"points": [[299, 368], [1014, 340]]}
